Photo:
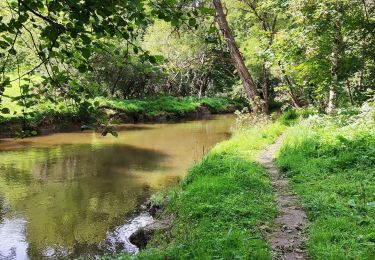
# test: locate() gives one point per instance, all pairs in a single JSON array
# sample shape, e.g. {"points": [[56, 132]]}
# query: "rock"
{"points": [[153, 209], [141, 237], [109, 112]]}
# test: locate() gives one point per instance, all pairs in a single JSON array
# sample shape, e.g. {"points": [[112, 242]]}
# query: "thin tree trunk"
{"points": [[238, 61], [114, 87], [203, 86], [266, 86], [334, 69], [350, 95], [365, 9], [290, 86]]}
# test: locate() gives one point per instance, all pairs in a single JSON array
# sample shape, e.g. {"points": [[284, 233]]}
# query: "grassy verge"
{"points": [[167, 104], [46, 114], [330, 162], [222, 204], [149, 106]]}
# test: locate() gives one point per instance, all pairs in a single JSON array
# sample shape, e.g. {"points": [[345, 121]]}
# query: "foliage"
{"points": [[178, 106], [185, 65], [70, 35], [142, 48], [289, 117], [305, 46], [51, 114], [330, 163]]}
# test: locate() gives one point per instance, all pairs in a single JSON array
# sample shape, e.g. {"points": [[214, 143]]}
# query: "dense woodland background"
{"points": [[61, 55]]}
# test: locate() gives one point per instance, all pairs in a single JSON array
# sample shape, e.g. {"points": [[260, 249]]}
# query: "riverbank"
{"points": [[103, 111], [94, 183], [225, 205]]}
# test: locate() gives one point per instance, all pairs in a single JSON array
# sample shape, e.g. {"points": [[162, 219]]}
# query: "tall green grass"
{"points": [[330, 162], [150, 106], [163, 104]]}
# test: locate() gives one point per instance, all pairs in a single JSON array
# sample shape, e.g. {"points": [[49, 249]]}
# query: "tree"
{"points": [[324, 51], [65, 35], [258, 104]]}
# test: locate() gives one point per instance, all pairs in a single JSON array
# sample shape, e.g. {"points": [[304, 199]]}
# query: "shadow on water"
{"points": [[73, 196], [62, 195]]}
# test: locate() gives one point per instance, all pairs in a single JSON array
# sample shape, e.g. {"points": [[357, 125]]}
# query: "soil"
{"points": [[287, 237]]}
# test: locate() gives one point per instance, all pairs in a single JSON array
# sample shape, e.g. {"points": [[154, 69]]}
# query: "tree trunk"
{"points": [[203, 86], [350, 95], [266, 86], [289, 84], [250, 88], [334, 69]]}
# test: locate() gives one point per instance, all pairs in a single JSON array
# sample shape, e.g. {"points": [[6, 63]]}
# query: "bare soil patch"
{"points": [[287, 238]]}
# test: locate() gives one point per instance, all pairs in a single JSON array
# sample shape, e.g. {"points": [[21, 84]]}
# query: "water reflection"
{"points": [[60, 195], [15, 245]]}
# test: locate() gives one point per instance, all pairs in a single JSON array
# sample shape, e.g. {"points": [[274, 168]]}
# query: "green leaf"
{"points": [[211, 30], [152, 59], [175, 22], [192, 22], [5, 110], [85, 39], [82, 68], [86, 53], [12, 51]]}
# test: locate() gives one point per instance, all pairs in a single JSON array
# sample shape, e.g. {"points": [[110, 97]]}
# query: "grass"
{"points": [[330, 162], [168, 104], [222, 204], [46, 113], [150, 106]]}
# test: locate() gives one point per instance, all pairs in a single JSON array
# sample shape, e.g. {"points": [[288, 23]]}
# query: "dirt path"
{"points": [[286, 238]]}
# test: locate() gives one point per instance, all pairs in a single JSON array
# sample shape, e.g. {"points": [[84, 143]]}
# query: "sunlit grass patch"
{"points": [[222, 203], [331, 165]]}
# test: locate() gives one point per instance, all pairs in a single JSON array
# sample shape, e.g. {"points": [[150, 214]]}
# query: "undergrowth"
{"points": [[330, 162], [180, 106]]}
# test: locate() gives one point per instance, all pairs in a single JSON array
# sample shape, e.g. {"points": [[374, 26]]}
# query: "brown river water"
{"points": [[74, 194]]}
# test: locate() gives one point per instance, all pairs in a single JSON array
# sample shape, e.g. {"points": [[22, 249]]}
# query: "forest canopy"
{"points": [[277, 54]]}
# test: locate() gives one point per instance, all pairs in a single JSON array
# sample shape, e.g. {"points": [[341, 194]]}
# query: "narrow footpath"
{"points": [[286, 237]]}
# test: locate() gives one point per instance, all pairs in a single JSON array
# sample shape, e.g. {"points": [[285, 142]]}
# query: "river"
{"points": [[62, 195]]}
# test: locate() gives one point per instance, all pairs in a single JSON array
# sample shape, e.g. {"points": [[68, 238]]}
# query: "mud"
{"points": [[287, 237]]}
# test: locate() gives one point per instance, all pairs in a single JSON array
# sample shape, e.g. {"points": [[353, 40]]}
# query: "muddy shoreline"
{"points": [[58, 123]]}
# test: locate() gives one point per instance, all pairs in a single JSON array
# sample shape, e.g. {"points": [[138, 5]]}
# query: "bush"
{"points": [[289, 117]]}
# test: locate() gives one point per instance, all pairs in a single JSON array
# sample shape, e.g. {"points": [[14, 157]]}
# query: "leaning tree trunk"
{"points": [[250, 88]]}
